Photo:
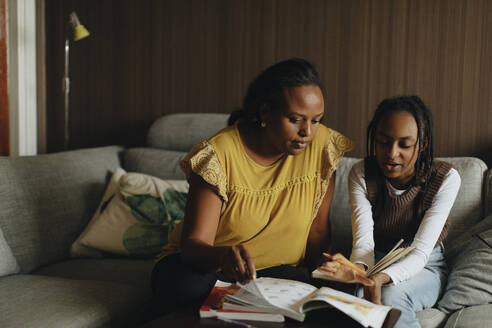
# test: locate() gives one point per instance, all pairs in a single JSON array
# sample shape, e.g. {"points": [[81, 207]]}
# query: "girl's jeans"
{"points": [[417, 293]]}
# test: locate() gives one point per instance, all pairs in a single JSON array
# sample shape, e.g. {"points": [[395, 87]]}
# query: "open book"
{"points": [[293, 299], [217, 306], [393, 255]]}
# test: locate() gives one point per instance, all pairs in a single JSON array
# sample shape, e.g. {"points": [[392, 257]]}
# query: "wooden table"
{"points": [[323, 318]]}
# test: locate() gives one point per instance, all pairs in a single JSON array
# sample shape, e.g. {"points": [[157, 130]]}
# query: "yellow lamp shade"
{"points": [[80, 32]]}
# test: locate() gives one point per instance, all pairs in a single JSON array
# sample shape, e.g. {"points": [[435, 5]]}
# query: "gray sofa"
{"points": [[47, 200]]}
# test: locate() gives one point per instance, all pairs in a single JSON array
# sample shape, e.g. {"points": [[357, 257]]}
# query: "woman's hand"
{"points": [[373, 293], [237, 264], [343, 273]]}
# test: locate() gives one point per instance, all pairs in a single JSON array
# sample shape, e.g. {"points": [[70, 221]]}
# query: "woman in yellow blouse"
{"points": [[260, 192]]}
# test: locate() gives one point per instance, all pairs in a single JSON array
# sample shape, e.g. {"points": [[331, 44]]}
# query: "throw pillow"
{"points": [[79, 250], [137, 218], [8, 263], [469, 280], [456, 245]]}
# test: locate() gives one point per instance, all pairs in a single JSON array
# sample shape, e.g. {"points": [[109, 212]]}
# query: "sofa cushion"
{"points": [[127, 271], [468, 206], [470, 279], [47, 200], [8, 263], [431, 318], [453, 249], [179, 132], [136, 217], [474, 316], [340, 211], [488, 193], [163, 164], [41, 301]]}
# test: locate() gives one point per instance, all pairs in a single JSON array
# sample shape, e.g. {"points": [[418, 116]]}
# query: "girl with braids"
{"points": [[400, 191], [260, 192]]}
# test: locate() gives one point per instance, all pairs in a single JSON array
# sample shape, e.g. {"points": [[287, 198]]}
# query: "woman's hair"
{"points": [[423, 117], [267, 89]]}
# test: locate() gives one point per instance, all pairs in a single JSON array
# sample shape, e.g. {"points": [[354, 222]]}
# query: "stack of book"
{"points": [[219, 304], [272, 299]]}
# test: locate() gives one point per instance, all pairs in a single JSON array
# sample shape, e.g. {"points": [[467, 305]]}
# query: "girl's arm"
{"points": [[362, 221], [319, 239], [363, 231], [201, 220], [429, 230]]}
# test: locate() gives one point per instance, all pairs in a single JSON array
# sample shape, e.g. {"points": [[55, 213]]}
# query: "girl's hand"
{"points": [[340, 272], [373, 293], [237, 264]]}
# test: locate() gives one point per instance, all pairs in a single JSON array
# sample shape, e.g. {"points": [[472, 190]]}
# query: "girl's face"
{"points": [[289, 131], [396, 147]]}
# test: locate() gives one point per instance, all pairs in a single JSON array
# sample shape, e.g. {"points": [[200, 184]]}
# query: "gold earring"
{"points": [[263, 124]]}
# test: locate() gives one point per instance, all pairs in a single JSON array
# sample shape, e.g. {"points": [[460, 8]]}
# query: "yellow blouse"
{"points": [[267, 208]]}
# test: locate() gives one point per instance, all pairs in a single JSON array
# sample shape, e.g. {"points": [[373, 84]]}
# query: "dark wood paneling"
{"points": [[41, 75], [4, 95], [148, 58]]}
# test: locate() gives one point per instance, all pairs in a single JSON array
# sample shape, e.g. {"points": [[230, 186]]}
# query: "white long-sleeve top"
{"points": [[427, 234]]}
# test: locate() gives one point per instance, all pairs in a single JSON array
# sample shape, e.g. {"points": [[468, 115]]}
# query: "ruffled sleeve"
{"points": [[337, 145], [333, 151], [203, 160]]}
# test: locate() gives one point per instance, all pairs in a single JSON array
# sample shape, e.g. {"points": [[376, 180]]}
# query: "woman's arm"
{"points": [[199, 230], [319, 239]]}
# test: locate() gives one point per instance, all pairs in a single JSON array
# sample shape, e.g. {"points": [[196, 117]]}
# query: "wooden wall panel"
{"points": [[148, 58], [41, 75], [484, 101]]}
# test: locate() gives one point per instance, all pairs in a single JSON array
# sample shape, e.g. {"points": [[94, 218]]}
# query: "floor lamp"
{"points": [[79, 32]]}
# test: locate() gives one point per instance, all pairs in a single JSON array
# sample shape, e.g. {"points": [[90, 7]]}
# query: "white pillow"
{"points": [[8, 263], [79, 250], [136, 217]]}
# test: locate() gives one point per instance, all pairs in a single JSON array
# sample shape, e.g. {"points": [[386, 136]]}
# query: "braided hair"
{"points": [[268, 88], [423, 117]]}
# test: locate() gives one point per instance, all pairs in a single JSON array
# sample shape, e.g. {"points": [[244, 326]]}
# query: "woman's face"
{"points": [[396, 146], [290, 130]]}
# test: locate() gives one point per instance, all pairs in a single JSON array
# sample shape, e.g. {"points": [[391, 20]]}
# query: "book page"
{"points": [[244, 297], [215, 305], [230, 304], [283, 293], [389, 259], [362, 311]]}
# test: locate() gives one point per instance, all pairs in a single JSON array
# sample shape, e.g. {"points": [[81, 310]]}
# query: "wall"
{"points": [[148, 58]]}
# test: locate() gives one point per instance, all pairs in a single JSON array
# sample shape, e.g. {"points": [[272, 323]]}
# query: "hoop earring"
{"points": [[263, 124]]}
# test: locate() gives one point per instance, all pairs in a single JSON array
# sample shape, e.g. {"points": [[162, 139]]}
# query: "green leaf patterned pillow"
{"points": [[137, 219]]}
